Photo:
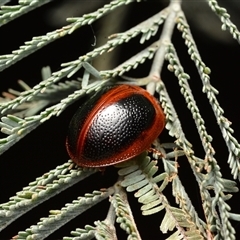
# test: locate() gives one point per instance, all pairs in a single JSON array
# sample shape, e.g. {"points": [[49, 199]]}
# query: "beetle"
{"points": [[116, 124]]}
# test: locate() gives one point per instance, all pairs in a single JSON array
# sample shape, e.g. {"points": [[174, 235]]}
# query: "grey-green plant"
{"points": [[141, 176]]}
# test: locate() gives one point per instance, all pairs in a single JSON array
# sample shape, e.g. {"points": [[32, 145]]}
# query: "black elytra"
{"points": [[116, 124]]}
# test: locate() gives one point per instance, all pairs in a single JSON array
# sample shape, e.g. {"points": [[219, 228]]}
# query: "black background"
{"points": [[44, 148]]}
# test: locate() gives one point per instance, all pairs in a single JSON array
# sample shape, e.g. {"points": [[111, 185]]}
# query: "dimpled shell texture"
{"points": [[116, 124]]}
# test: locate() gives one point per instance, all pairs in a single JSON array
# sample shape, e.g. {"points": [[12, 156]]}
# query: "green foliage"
{"points": [[22, 112]]}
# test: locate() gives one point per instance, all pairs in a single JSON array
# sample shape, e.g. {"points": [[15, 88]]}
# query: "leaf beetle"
{"points": [[116, 124]]}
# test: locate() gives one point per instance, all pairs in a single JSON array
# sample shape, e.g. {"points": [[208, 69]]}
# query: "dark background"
{"points": [[44, 148]]}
